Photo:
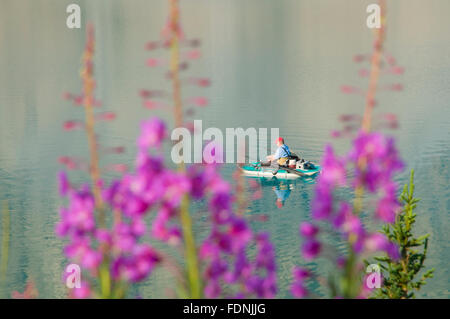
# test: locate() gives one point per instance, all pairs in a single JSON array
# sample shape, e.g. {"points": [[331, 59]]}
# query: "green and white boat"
{"points": [[301, 168]]}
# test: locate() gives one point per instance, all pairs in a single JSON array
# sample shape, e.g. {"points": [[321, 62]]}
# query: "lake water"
{"points": [[272, 64]]}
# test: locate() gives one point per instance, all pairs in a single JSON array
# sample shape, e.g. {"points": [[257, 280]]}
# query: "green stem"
{"points": [[5, 242], [349, 290], [192, 264], [105, 281]]}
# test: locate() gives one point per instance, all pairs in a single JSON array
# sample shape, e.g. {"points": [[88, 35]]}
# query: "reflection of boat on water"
{"points": [[282, 190], [309, 179]]}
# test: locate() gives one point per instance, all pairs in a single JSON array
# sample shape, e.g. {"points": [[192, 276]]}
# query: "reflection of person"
{"points": [[282, 191], [280, 157]]}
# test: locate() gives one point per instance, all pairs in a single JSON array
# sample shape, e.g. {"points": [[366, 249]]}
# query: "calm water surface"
{"points": [[272, 63]]}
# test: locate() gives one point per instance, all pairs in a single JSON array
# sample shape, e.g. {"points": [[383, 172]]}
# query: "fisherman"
{"points": [[280, 157]]}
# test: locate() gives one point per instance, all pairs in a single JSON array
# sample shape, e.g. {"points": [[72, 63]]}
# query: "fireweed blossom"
{"points": [[229, 271], [127, 259], [119, 247], [154, 188], [87, 100], [115, 256], [298, 288], [374, 159], [223, 255], [371, 163]]}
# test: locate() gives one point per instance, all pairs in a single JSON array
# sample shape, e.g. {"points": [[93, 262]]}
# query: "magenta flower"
{"points": [[153, 131], [176, 186], [139, 264], [154, 188], [333, 174], [240, 232], [299, 291], [79, 216], [388, 205], [298, 288], [301, 273], [212, 289], [83, 292], [265, 258], [308, 230], [224, 250], [379, 242], [64, 184], [333, 169], [82, 251], [311, 249], [103, 236], [322, 205], [375, 160], [163, 230]]}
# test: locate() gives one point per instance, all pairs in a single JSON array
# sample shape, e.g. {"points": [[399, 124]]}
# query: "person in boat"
{"points": [[280, 157]]}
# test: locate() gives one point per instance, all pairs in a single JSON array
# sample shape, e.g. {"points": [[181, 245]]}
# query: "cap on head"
{"points": [[280, 140]]}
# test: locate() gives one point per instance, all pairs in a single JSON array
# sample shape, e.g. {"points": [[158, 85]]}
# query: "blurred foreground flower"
{"points": [[371, 165], [115, 256], [119, 253], [374, 160]]}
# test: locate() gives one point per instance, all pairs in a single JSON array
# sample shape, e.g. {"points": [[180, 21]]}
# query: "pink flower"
{"points": [[376, 242], [347, 89], [388, 205], [333, 168], [301, 273], [152, 62], [376, 160], [199, 101], [193, 54], [72, 125], [83, 292], [298, 288], [203, 82], [299, 291], [91, 259], [64, 184], [311, 249], [212, 289], [322, 204], [150, 104], [308, 230], [105, 116], [153, 131]]}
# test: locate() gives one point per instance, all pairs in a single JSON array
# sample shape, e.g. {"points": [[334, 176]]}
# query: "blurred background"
{"points": [[273, 63]]}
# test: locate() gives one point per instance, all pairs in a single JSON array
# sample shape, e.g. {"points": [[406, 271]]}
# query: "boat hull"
{"points": [[267, 172]]}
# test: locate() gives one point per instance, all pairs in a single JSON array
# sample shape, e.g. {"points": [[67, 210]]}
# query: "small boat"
{"points": [[301, 168]]}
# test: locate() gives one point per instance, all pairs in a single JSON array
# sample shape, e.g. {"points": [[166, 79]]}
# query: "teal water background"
{"points": [[272, 64]]}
